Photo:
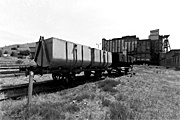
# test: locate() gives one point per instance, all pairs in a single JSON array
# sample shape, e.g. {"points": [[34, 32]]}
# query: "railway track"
{"points": [[21, 90], [10, 72], [5, 74]]}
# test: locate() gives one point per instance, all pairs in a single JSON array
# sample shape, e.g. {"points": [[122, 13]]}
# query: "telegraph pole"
{"points": [[98, 44]]}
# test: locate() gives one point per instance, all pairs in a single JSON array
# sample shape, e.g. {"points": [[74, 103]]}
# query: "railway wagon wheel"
{"points": [[98, 75], [57, 76], [69, 79], [66, 79]]}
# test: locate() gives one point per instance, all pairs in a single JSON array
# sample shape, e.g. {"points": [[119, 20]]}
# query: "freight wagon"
{"points": [[65, 59], [123, 51]]}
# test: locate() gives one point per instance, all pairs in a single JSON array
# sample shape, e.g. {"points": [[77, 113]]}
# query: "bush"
{"points": [[14, 54], [109, 89], [19, 62], [24, 52], [14, 48], [6, 52], [110, 83]]}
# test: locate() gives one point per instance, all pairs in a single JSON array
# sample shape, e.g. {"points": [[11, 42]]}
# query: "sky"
{"points": [[86, 22]]}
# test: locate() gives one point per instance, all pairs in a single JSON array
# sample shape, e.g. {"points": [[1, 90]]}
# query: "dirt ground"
{"points": [[152, 93]]}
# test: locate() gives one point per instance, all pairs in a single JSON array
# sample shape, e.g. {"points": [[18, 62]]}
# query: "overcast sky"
{"points": [[87, 21]]}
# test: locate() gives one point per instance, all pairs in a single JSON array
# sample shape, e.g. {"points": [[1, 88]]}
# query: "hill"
{"points": [[17, 47]]}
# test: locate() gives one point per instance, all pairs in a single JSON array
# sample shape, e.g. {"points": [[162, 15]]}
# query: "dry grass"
{"points": [[10, 81], [9, 61], [146, 96]]}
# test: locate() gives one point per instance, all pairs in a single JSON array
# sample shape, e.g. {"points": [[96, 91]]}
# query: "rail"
{"points": [[17, 91]]}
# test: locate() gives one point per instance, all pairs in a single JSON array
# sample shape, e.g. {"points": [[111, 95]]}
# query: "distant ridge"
{"points": [[18, 47]]}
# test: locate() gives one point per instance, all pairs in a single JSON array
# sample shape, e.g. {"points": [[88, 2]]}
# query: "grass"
{"points": [[121, 97], [146, 96], [11, 61], [105, 102], [120, 112], [83, 96], [108, 86], [42, 111]]}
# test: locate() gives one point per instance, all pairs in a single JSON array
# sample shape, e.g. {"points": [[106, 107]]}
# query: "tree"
{"points": [[13, 48], [6, 52]]}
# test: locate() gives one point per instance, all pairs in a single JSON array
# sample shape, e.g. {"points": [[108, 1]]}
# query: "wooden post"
{"points": [[30, 88]]}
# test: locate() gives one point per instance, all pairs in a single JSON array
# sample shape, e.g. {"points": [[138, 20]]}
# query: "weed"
{"points": [[47, 111], [105, 102], [136, 105], [52, 114], [119, 112], [121, 97], [72, 108], [92, 96]]}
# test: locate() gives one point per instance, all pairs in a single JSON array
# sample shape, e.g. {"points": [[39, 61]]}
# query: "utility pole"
{"points": [[98, 44]]}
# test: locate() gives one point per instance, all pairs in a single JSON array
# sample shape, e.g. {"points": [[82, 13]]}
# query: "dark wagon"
{"points": [[64, 59], [123, 51]]}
